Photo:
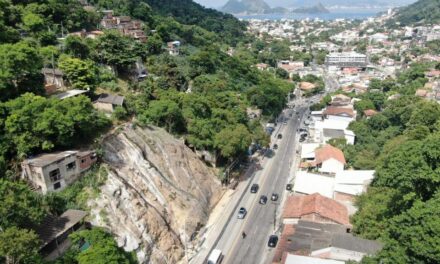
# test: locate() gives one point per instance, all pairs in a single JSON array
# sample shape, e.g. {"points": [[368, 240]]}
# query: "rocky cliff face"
{"points": [[157, 195]]}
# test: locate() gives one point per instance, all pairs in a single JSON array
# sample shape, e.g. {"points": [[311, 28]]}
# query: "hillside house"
{"points": [[108, 102], [173, 48], [54, 231], [53, 80], [55, 171]]}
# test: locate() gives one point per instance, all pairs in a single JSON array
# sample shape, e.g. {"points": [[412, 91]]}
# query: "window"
{"points": [[55, 175], [71, 166], [83, 161], [57, 185]]}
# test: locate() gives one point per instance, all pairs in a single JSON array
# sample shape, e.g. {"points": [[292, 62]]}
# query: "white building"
{"points": [[310, 183], [346, 59]]}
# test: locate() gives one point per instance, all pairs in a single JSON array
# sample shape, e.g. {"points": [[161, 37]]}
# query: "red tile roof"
{"points": [[298, 206], [328, 152], [334, 110]]}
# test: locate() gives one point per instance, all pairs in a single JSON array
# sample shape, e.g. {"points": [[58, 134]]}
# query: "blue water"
{"points": [[334, 14]]}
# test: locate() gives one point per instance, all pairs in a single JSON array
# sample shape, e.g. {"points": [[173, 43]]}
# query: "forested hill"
{"points": [[423, 11], [189, 12]]}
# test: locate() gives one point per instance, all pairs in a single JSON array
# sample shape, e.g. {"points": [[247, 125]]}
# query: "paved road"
{"points": [[259, 221]]}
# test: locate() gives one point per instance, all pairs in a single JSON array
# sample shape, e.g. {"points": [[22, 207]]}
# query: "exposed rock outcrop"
{"points": [[157, 195]]}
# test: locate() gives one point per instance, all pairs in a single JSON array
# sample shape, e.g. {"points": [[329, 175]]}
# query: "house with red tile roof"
{"points": [[337, 111], [315, 208], [329, 159]]}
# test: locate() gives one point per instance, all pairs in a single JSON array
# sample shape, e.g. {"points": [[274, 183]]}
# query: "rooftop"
{"points": [[297, 259], [46, 159], [298, 206], [111, 99], [309, 183], [344, 111], [70, 93], [329, 152], [53, 227]]}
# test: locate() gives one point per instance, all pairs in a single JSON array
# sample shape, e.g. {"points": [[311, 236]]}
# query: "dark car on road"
{"points": [[263, 199], [242, 213], [289, 187], [275, 146], [254, 188], [273, 240], [274, 197], [280, 136]]}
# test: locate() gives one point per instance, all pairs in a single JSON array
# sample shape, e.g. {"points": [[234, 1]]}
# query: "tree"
{"points": [[77, 47], [81, 74], [163, 113], [19, 206], [232, 141], [363, 105], [33, 22], [376, 207], [154, 44], [118, 51], [19, 246], [20, 70], [34, 123], [103, 248], [417, 231]]}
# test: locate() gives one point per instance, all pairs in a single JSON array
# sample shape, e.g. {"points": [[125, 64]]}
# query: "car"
{"points": [[274, 197], [302, 139], [280, 136], [254, 188], [242, 213], [289, 187], [263, 199], [275, 146], [302, 130], [273, 240], [285, 122]]}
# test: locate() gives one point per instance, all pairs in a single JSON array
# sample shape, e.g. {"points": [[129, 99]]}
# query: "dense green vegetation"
{"points": [[201, 95], [402, 144], [423, 11]]}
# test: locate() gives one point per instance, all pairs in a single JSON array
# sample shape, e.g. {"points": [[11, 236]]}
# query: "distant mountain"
{"points": [[421, 12], [317, 9], [249, 7]]}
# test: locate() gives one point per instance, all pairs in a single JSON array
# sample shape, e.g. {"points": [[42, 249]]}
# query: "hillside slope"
{"points": [[423, 11], [190, 13], [157, 195]]}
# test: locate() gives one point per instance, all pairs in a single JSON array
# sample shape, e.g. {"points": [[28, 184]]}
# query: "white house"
{"points": [[350, 183], [329, 159], [308, 151], [310, 183]]}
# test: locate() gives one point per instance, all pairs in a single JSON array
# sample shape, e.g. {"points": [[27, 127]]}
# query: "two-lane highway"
{"points": [[262, 220]]}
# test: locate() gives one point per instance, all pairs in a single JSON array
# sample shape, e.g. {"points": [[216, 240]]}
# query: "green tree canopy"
{"points": [[18, 205], [19, 246], [81, 74], [233, 140], [20, 70]]}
